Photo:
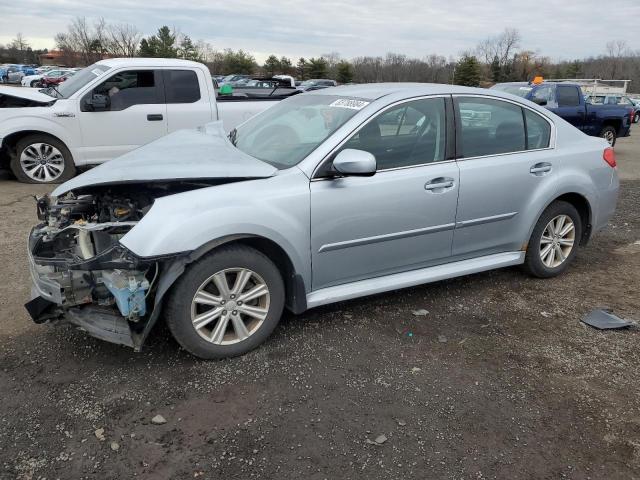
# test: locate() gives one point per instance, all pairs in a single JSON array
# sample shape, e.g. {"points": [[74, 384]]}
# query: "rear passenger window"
{"points": [[568, 96], [181, 86], [538, 131], [488, 127]]}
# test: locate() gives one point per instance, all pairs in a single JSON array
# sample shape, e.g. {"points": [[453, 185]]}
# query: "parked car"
{"points": [[15, 73], [566, 100], [327, 196], [617, 100], [52, 80], [231, 79], [316, 84], [36, 80], [107, 109]]}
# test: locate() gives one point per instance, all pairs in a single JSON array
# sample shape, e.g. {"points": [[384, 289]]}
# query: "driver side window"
{"points": [[412, 133], [134, 87]]}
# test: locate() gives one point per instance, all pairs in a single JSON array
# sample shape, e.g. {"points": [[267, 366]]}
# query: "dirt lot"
{"points": [[499, 380]]}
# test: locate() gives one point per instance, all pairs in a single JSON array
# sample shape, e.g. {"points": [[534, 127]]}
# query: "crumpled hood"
{"points": [[205, 153], [27, 93]]}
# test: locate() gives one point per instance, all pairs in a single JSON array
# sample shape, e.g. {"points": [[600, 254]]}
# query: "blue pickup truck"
{"points": [[567, 101]]}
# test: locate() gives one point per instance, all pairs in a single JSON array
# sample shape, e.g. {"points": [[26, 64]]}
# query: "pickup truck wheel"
{"points": [[554, 241], [43, 159], [226, 304], [609, 134]]}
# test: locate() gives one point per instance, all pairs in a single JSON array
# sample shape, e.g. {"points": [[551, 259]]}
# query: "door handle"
{"points": [[438, 185], [540, 169], [155, 117]]}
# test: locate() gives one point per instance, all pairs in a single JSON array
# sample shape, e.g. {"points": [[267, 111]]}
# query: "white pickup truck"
{"points": [[108, 109]]}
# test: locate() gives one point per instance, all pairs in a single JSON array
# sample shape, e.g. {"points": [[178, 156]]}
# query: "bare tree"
{"points": [[122, 40], [501, 47], [20, 45]]}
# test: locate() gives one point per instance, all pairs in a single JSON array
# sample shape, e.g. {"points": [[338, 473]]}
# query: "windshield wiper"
{"points": [[233, 134]]}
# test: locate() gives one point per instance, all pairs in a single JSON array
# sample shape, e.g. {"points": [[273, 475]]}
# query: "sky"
{"points": [[560, 29]]}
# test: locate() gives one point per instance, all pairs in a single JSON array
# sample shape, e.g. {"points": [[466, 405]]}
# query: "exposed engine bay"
{"points": [[81, 271]]}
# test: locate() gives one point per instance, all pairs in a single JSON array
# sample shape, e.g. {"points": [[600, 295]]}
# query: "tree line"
{"points": [[497, 58]]}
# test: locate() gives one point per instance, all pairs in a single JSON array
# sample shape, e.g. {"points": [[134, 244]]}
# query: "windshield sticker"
{"points": [[97, 72], [348, 103]]}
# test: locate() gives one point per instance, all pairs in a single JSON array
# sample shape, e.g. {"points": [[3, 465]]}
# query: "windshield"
{"points": [[77, 81], [514, 89], [309, 83], [289, 131]]}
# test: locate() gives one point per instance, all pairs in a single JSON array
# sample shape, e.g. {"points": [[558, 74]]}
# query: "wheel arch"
{"points": [[581, 204], [295, 289], [10, 141]]}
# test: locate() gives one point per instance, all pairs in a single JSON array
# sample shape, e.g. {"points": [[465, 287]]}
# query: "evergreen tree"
{"points": [[573, 69], [317, 67], [272, 65], [166, 43], [468, 72], [286, 66], [188, 50], [345, 72], [145, 49], [301, 69]]}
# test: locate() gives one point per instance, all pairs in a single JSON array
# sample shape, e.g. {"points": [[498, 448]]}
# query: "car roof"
{"points": [[373, 91], [148, 62]]}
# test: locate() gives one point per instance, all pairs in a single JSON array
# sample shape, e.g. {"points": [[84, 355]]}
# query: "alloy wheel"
{"points": [[558, 239], [230, 306], [42, 162], [609, 136]]}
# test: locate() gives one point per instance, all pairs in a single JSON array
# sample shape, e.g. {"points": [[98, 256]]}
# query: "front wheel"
{"points": [[609, 134], [554, 241], [34, 83], [636, 118], [226, 304], [41, 158]]}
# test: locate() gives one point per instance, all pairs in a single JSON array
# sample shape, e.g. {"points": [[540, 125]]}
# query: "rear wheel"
{"points": [[41, 158], [554, 241], [226, 304], [636, 117], [609, 134], [34, 83]]}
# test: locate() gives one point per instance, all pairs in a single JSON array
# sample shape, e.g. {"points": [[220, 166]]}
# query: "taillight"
{"points": [[609, 156]]}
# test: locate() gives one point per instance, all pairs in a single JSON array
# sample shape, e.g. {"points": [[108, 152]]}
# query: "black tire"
{"points": [[609, 131], [68, 171], [178, 304], [34, 83], [533, 263], [636, 117]]}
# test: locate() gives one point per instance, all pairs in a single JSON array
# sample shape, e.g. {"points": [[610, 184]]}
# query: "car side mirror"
{"points": [[355, 163], [539, 101], [97, 102]]}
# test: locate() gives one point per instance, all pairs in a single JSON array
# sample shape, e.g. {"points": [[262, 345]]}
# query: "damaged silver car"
{"points": [[327, 196]]}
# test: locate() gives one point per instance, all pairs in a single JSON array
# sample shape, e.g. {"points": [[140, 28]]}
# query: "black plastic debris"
{"points": [[605, 320]]}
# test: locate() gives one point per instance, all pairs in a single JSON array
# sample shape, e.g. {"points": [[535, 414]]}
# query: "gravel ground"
{"points": [[498, 380]]}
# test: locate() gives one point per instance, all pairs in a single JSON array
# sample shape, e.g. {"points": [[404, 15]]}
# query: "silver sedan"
{"points": [[327, 196]]}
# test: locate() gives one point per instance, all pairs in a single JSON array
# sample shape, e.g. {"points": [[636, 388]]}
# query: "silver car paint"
{"points": [[366, 235], [185, 154]]}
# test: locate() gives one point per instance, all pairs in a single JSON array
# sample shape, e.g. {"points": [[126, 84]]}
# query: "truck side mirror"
{"points": [[97, 102], [539, 101]]}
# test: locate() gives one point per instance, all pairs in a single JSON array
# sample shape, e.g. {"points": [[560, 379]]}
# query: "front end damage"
{"points": [[83, 275]]}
